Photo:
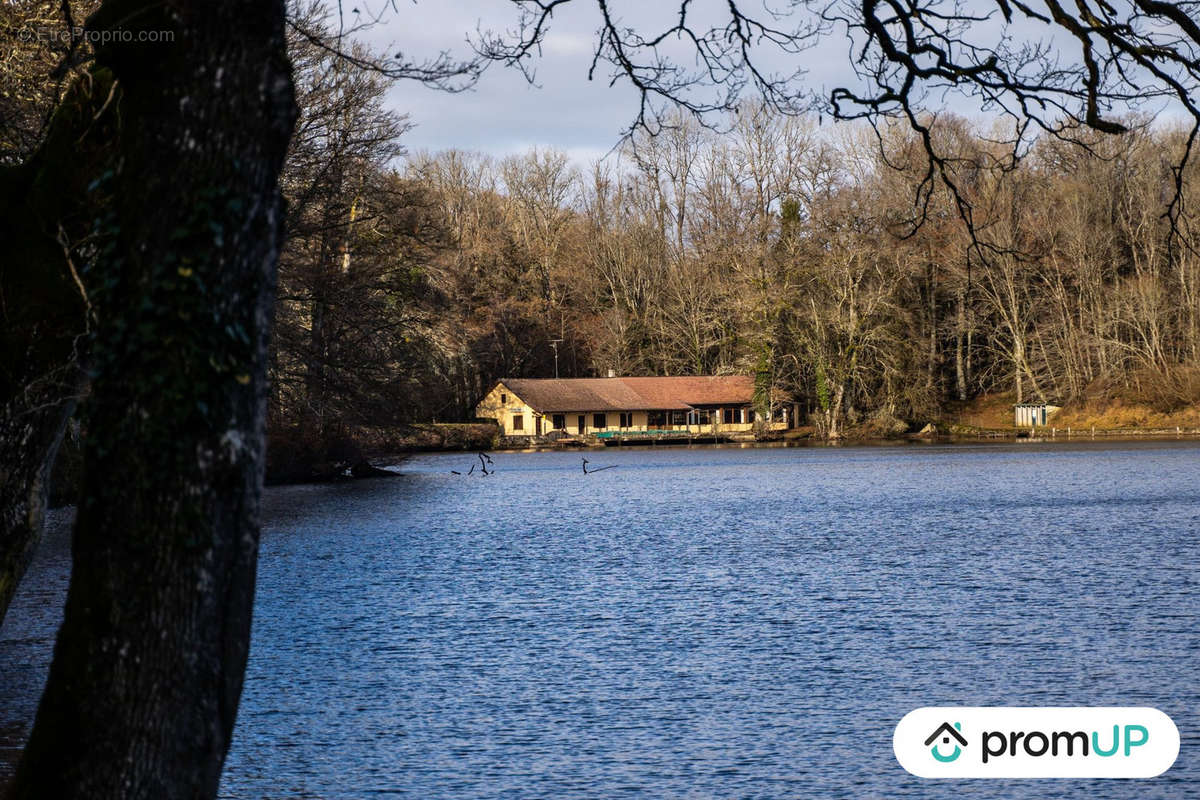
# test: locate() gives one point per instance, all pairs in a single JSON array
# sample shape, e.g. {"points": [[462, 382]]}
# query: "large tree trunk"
{"points": [[147, 670]]}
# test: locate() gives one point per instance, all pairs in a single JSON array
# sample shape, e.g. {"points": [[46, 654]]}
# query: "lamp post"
{"points": [[554, 343]]}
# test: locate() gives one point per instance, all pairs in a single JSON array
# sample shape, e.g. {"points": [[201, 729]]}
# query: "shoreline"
{"points": [[1059, 435], [363, 450], [385, 463]]}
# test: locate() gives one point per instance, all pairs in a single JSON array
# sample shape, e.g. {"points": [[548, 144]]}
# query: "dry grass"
{"points": [[1115, 413], [1145, 399], [1104, 412], [986, 411]]}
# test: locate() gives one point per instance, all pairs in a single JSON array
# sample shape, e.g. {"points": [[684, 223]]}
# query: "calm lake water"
{"points": [[697, 622]]}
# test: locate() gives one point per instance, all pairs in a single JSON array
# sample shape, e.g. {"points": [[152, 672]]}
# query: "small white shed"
{"points": [[1031, 415]]}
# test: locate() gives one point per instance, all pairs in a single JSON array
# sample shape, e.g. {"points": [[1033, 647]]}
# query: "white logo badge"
{"points": [[1010, 742]]}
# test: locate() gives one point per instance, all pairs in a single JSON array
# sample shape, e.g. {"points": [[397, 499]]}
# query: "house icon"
{"points": [[945, 732]]}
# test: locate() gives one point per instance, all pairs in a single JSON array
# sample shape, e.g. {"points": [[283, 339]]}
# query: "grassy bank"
{"points": [[1107, 415]]}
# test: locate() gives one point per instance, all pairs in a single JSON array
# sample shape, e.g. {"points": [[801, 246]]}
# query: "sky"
{"points": [[504, 114]]}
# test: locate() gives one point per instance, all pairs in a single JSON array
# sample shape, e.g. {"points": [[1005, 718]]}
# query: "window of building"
{"points": [[750, 415], [626, 419], [518, 422], [679, 418], [599, 421], [730, 416], [560, 422], [656, 419], [503, 398]]}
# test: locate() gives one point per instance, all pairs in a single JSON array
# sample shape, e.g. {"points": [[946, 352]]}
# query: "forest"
{"points": [[835, 261], [827, 259]]}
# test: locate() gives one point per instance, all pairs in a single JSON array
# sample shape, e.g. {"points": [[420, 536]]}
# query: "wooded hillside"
{"points": [[819, 257]]}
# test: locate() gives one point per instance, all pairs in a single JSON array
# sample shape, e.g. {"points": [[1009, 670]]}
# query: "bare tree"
{"points": [[1106, 59], [540, 186]]}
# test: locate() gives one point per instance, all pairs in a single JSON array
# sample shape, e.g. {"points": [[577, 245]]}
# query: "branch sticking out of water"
{"points": [[587, 471]]}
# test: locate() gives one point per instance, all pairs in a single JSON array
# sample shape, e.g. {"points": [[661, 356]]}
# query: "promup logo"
{"points": [[1010, 742], [946, 732]]}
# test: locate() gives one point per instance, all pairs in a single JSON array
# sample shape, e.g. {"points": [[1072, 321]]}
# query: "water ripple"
{"points": [[711, 623]]}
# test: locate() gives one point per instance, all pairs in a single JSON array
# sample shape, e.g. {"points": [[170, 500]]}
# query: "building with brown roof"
{"points": [[703, 405]]}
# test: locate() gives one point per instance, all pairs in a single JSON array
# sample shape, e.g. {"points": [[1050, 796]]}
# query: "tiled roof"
{"points": [[632, 394]]}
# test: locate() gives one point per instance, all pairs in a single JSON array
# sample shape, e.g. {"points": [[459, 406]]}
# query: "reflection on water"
{"points": [[709, 622]]}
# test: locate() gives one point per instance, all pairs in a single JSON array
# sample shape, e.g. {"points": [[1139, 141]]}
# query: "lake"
{"points": [[705, 622]]}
